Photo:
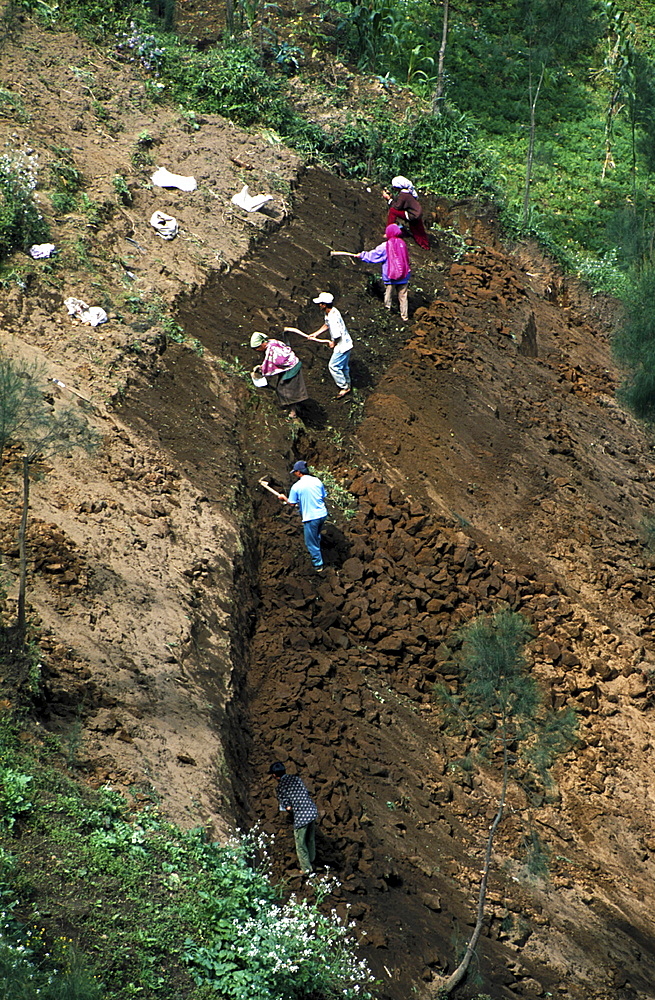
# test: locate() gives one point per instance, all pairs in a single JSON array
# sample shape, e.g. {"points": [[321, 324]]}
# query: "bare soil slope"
{"points": [[180, 625], [118, 540]]}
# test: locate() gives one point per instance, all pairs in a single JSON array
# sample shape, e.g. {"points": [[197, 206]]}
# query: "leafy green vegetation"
{"points": [[20, 398], [157, 911], [11, 106], [337, 493], [122, 190], [634, 344], [153, 312], [21, 221], [13, 796], [438, 153], [23, 974]]}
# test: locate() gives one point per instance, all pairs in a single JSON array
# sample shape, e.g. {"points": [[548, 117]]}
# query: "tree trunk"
{"points": [[446, 988], [634, 152], [20, 621], [530, 157], [612, 111], [437, 101]]}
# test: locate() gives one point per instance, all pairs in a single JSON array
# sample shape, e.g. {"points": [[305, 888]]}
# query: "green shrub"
{"points": [[66, 180], [64, 174], [257, 949], [603, 273], [47, 12], [390, 37], [62, 202], [11, 106], [28, 970], [138, 46], [21, 222], [14, 800], [123, 192], [99, 18], [229, 81], [439, 153], [338, 494]]}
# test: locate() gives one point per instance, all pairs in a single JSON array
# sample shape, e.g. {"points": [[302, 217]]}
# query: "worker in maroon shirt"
{"points": [[405, 209]]}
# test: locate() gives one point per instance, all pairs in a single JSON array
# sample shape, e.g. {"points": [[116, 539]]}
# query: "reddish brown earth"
{"points": [[490, 435], [179, 619]]}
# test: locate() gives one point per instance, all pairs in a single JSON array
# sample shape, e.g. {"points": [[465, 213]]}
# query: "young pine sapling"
{"points": [[499, 698]]}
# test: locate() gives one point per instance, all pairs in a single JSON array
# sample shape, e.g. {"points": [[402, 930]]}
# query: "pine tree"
{"points": [[21, 398], [502, 701]]}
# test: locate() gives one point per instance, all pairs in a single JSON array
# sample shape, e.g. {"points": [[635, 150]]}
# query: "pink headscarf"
{"points": [[397, 256]]}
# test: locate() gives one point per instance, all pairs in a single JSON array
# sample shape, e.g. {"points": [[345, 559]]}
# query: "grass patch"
{"points": [[11, 106], [337, 493], [66, 180]]}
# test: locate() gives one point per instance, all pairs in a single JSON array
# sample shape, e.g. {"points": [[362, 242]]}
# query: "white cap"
{"points": [[324, 299]]}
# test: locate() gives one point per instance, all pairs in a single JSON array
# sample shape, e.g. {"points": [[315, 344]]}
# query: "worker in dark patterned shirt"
{"points": [[294, 798]]}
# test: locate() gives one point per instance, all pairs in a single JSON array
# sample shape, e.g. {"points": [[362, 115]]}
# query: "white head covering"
{"points": [[403, 182]]}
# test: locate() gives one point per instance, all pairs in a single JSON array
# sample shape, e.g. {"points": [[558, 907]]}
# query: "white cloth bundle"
{"points": [[91, 315], [165, 225], [39, 251], [251, 203], [163, 178]]}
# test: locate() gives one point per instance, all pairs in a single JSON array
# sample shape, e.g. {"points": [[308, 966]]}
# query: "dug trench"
{"points": [[492, 467]]}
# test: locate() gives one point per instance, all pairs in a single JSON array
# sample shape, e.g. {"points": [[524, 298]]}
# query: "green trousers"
{"points": [[305, 837]]}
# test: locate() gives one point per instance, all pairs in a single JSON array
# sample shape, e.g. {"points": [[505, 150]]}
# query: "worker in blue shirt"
{"points": [[308, 494]]}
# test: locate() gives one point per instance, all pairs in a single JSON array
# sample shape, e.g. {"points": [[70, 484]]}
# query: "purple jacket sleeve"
{"points": [[376, 256]]}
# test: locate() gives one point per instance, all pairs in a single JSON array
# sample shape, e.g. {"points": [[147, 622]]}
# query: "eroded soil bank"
{"points": [[492, 467]]}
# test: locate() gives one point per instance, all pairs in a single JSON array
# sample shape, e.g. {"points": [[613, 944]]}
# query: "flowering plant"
{"points": [[137, 46], [261, 949], [21, 222]]}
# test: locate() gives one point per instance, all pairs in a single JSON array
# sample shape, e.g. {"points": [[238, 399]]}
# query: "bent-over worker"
{"points": [[404, 207], [293, 797], [282, 369]]}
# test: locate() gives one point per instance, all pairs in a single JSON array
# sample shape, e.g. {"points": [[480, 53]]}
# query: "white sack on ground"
{"points": [[91, 315], [39, 251], [163, 178], [165, 225], [251, 203]]}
